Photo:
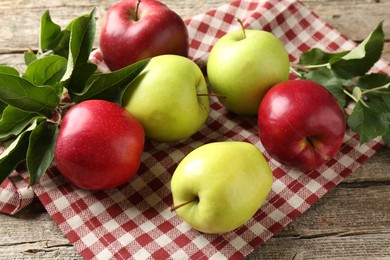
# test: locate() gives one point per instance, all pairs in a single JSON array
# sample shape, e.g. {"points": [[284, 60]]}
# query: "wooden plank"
{"points": [[353, 18], [23, 19], [350, 222], [321, 248], [32, 234], [375, 170]]}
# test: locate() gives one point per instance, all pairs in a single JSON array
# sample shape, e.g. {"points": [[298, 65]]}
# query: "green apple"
{"points": [[243, 65], [169, 98], [219, 186]]}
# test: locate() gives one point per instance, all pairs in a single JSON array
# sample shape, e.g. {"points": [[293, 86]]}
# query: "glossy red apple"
{"points": [[99, 145], [301, 124], [130, 33]]}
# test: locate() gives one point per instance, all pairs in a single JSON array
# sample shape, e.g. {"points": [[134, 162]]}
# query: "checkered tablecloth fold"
{"points": [[15, 193], [134, 220]]}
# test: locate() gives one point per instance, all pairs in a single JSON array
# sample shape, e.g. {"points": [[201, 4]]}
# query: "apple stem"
{"points": [[242, 27], [173, 208], [136, 9], [210, 95], [311, 143]]}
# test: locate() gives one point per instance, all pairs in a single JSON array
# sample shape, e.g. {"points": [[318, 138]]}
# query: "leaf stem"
{"points": [[293, 70], [65, 105], [45, 54], [355, 99], [375, 89], [309, 67]]}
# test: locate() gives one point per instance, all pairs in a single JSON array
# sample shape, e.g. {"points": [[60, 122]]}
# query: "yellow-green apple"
{"points": [[243, 65], [99, 145], [133, 30], [301, 124], [169, 97], [219, 186]]}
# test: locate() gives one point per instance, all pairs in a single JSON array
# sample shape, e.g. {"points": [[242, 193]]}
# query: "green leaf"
{"points": [[361, 59], [8, 70], [79, 69], [373, 80], [2, 107], [317, 56], [14, 121], [377, 85], [29, 57], [60, 45], [22, 94], [46, 71], [369, 121], [110, 86], [15, 156], [49, 32], [329, 80], [386, 138], [52, 38], [40, 151], [15, 153], [345, 75]]}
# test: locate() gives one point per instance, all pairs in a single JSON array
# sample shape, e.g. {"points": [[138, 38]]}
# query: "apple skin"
{"points": [[227, 181], [301, 124], [99, 145], [243, 69], [164, 98], [125, 39]]}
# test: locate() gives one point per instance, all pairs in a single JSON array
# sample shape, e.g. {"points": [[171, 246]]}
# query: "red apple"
{"points": [[132, 32], [301, 124], [99, 145]]}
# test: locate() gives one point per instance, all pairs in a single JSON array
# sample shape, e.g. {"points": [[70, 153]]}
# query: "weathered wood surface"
{"points": [[350, 222]]}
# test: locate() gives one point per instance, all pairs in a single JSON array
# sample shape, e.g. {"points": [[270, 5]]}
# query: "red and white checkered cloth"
{"points": [[134, 220]]}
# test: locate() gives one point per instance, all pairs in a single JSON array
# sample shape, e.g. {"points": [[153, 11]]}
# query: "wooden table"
{"points": [[350, 222]]}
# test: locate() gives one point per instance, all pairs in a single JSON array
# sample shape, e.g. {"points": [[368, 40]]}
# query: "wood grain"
{"points": [[350, 222], [353, 18]]}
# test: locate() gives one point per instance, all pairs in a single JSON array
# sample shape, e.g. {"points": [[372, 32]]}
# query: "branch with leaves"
{"points": [[347, 75], [57, 76]]}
